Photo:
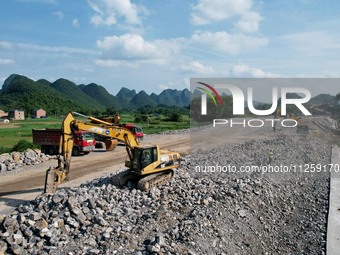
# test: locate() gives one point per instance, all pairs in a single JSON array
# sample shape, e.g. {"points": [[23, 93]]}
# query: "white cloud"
{"points": [[229, 43], [75, 23], [99, 20], [209, 11], [116, 50], [132, 47], [163, 87], [6, 61], [129, 46], [6, 45], [36, 47], [107, 12], [59, 15], [249, 22], [115, 63], [43, 48], [197, 67], [312, 43], [244, 70], [187, 82]]}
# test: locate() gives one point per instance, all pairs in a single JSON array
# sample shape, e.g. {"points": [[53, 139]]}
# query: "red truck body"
{"points": [[49, 139], [135, 130]]}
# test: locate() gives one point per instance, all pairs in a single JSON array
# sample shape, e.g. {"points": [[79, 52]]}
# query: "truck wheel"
{"points": [[51, 150], [75, 151], [43, 149]]}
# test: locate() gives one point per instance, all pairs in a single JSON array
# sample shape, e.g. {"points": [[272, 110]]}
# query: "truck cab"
{"points": [[84, 142], [137, 131]]}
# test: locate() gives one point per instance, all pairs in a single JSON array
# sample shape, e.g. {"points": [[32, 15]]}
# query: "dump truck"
{"points": [[147, 165], [49, 140]]}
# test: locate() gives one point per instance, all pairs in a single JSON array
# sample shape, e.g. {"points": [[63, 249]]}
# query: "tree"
{"points": [[110, 111], [141, 118], [174, 117], [338, 96], [337, 99]]}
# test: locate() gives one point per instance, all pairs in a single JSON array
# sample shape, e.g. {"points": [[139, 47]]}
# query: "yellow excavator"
{"points": [[147, 164], [301, 127]]}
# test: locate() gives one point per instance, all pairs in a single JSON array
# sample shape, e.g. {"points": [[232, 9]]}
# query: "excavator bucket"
{"points": [[111, 144], [50, 180], [54, 176]]}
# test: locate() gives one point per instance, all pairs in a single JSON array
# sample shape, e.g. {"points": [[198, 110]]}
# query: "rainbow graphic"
{"points": [[208, 92], [211, 92]]}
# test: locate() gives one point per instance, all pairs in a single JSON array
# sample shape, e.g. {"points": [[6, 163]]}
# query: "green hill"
{"points": [[20, 92], [175, 97], [126, 94], [62, 96], [103, 97], [323, 99], [75, 93], [142, 99]]}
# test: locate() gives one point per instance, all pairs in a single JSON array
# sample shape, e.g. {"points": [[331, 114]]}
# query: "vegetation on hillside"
{"points": [[62, 96], [23, 93]]}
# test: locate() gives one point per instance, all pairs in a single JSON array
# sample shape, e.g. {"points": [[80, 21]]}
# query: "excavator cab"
{"points": [[142, 157]]}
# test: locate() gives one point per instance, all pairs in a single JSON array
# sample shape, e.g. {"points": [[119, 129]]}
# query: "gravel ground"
{"points": [[196, 213], [183, 131]]}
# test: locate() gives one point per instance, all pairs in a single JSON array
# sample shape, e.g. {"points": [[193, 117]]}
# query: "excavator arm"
{"points": [[107, 129], [54, 176]]}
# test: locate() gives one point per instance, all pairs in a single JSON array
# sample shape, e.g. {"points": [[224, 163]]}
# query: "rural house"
{"points": [[39, 113], [16, 114], [3, 114]]}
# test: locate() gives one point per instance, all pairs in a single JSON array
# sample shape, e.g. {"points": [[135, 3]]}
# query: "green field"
{"points": [[158, 124], [18, 130]]}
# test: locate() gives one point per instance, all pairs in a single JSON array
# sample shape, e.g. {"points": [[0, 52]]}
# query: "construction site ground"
{"points": [[21, 187], [24, 186]]}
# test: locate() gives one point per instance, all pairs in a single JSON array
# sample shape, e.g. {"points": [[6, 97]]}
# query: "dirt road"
{"points": [[21, 187]]}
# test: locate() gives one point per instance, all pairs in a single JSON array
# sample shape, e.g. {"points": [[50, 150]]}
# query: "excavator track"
{"points": [[153, 180], [143, 183], [122, 178]]}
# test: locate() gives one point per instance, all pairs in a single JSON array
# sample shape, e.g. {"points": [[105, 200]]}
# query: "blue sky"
{"points": [[153, 45]]}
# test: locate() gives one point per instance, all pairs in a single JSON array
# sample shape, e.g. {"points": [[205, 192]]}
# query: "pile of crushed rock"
{"points": [[14, 160]]}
